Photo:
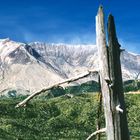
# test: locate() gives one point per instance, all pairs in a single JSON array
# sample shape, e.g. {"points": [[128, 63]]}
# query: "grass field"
{"points": [[60, 118]]}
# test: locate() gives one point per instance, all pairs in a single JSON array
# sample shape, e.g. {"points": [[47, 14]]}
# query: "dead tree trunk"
{"points": [[116, 89], [111, 80], [104, 72]]}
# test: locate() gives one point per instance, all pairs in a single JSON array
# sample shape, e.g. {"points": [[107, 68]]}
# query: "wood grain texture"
{"points": [[104, 72], [116, 90]]}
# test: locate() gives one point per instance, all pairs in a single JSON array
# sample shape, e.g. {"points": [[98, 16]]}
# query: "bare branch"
{"points": [[103, 130], [119, 109], [56, 85], [137, 75], [69, 95]]}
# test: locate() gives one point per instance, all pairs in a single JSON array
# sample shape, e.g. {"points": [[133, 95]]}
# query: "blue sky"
{"points": [[68, 21]]}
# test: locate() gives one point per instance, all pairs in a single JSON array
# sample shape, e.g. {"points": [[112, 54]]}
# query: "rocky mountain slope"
{"points": [[30, 67]]}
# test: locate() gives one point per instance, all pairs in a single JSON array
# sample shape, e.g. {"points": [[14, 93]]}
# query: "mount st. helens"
{"points": [[30, 67]]}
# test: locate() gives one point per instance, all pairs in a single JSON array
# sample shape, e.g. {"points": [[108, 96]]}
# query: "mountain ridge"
{"points": [[31, 67]]}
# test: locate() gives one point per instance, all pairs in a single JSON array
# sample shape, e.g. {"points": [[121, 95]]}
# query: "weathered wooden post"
{"points": [[111, 80], [116, 86], [104, 72]]}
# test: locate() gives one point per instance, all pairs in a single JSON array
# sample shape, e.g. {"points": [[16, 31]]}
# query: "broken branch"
{"points": [[55, 85], [96, 132]]}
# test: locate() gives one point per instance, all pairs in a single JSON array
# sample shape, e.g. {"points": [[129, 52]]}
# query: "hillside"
{"points": [[59, 118]]}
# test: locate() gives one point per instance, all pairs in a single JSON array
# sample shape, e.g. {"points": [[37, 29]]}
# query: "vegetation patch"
{"points": [[59, 118]]}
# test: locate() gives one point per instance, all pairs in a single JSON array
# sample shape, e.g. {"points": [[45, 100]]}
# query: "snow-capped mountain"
{"points": [[30, 67], [21, 68]]}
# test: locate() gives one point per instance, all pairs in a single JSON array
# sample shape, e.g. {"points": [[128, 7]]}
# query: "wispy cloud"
{"points": [[130, 46], [58, 37]]}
